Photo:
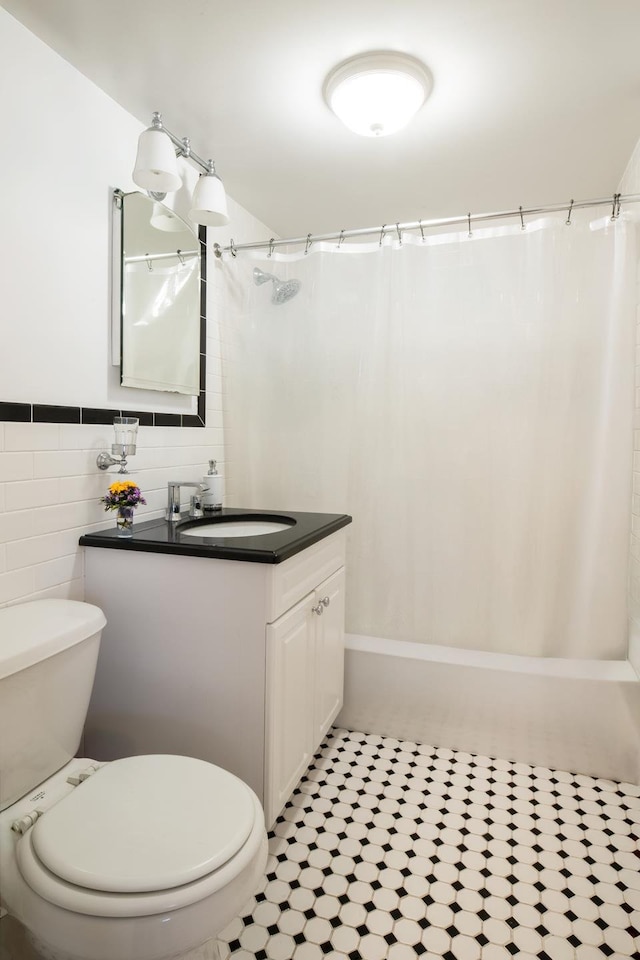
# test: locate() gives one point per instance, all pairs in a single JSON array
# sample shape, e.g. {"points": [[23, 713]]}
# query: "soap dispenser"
{"points": [[214, 494]]}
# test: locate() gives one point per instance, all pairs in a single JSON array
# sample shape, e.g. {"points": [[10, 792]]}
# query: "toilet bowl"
{"points": [[144, 858]]}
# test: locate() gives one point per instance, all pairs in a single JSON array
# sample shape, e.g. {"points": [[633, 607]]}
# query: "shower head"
{"points": [[283, 290]]}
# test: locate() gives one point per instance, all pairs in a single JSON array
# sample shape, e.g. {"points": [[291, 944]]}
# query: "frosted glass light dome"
{"points": [[376, 94]]}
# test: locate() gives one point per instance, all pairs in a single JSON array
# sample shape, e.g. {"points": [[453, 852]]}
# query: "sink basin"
{"points": [[242, 527]]}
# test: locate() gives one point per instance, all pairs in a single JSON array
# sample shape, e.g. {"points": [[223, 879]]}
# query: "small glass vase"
{"points": [[124, 521]]}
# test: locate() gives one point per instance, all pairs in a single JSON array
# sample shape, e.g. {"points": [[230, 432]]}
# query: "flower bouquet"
{"points": [[123, 496]]}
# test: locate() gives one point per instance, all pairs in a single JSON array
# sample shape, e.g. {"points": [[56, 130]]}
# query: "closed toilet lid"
{"points": [[146, 823]]}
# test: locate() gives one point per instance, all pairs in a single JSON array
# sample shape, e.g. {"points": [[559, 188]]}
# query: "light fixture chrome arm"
{"points": [[183, 145]]}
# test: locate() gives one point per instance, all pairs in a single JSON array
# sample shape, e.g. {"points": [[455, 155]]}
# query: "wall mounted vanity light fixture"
{"points": [[156, 171], [126, 437], [378, 93]]}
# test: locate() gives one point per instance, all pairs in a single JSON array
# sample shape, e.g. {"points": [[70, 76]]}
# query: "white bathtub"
{"points": [[576, 715]]}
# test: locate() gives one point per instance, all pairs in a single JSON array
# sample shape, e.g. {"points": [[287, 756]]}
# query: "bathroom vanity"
{"points": [[229, 649]]}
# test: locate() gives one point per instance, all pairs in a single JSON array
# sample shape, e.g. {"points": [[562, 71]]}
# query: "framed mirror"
{"points": [[158, 311]]}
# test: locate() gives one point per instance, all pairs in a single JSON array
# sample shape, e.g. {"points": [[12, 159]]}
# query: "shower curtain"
{"points": [[469, 401]]}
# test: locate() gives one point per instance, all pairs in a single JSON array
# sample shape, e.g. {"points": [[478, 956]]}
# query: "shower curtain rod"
{"points": [[616, 200], [146, 257]]}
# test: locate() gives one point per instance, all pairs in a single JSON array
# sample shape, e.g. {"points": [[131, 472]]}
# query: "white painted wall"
{"points": [[66, 144]]}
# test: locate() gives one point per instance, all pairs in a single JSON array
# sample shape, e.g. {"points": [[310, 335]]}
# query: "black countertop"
{"points": [[158, 536]]}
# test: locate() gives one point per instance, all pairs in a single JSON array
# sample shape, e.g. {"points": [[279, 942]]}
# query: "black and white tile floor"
{"points": [[391, 850]]}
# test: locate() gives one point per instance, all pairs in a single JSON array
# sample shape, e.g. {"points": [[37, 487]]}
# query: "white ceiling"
{"points": [[534, 101]]}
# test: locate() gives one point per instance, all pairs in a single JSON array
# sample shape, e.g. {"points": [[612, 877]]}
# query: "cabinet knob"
{"points": [[325, 601], [319, 609]]}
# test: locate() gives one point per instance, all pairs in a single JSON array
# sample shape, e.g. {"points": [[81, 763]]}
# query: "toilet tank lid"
{"points": [[31, 632]]}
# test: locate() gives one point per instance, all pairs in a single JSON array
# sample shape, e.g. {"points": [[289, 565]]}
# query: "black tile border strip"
{"points": [[52, 413], [86, 416], [97, 415], [55, 413], [16, 412]]}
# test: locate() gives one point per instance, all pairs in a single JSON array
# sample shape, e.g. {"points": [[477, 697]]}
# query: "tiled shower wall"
{"points": [[49, 482], [630, 184]]}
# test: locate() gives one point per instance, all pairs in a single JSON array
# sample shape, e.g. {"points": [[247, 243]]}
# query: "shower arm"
{"points": [[468, 218]]}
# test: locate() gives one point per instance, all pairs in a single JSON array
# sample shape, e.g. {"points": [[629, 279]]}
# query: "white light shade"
{"points": [[209, 202], [162, 218], [376, 94], [156, 166]]}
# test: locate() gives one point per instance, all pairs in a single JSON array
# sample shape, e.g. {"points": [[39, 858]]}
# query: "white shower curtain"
{"points": [[469, 401]]}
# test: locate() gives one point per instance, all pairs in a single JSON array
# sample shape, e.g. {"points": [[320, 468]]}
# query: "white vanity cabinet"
{"points": [[305, 656], [229, 661]]}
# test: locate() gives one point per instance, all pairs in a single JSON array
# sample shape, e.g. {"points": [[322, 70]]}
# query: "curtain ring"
{"points": [[568, 220], [399, 234], [307, 244], [381, 235], [616, 203], [340, 239], [470, 234], [180, 256], [271, 242], [524, 226], [149, 265], [421, 230], [232, 248]]}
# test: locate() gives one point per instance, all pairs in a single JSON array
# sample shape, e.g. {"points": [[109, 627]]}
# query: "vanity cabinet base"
{"points": [[202, 657]]}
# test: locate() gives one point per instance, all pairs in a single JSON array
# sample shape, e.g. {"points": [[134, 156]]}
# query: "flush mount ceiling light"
{"points": [[156, 171], [375, 94]]}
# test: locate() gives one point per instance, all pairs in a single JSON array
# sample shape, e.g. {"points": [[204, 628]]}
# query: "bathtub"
{"points": [[577, 715]]}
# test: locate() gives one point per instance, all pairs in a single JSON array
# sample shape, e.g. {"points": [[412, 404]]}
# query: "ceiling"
{"points": [[534, 101]]}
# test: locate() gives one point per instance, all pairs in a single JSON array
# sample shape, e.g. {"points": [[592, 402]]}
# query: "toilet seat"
{"points": [[144, 835]]}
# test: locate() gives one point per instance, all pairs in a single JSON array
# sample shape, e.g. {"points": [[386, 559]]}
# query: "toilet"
{"points": [[143, 858]]}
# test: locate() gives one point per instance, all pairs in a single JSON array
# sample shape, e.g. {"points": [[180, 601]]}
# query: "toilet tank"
{"points": [[48, 655]]}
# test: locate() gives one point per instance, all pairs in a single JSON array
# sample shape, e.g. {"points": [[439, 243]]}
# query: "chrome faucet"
{"points": [[172, 513]]}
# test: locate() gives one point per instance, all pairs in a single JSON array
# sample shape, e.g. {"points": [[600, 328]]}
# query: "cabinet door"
{"points": [[289, 700], [328, 671]]}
